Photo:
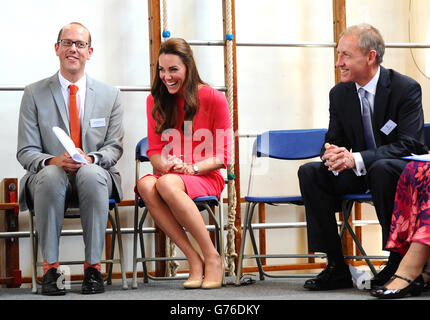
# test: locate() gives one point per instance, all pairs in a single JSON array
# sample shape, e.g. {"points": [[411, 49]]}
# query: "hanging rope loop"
{"points": [[166, 32]]}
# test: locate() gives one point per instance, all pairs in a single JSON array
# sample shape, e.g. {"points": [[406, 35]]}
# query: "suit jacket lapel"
{"points": [[59, 100], [381, 103], [89, 106], [355, 113]]}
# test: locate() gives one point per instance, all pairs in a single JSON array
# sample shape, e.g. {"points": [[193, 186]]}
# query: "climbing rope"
{"points": [[230, 252], [166, 32], [171, 266]]}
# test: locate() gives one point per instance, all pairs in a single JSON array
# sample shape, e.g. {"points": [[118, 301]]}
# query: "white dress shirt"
{"points": [[82, 85], [370, 88]]}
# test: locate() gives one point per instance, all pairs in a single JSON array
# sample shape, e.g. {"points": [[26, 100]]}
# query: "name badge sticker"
{"points": [[96, 123], [388, 127]]}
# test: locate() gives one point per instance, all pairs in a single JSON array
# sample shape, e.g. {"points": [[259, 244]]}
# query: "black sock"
{"points": [[336, 258], [395, 257]]}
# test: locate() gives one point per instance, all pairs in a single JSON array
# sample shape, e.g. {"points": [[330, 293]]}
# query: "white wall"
{"points": [[278, 88]]}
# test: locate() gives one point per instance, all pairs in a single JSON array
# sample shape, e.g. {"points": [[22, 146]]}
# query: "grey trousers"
{"points": [[52, 191]]}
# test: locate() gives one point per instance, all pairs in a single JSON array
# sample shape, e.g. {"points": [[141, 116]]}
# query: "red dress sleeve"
{"points": [[221, 127], [155, 145]]}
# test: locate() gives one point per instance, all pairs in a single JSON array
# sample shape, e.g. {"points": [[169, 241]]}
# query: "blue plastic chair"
{"points": [[282, 145], [202, 203]]}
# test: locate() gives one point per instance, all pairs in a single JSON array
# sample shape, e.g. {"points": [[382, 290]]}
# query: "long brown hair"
{"points": [[165, 111]]}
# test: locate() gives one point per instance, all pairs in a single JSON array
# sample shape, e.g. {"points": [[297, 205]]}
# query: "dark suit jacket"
{"points": [[397, 98]]}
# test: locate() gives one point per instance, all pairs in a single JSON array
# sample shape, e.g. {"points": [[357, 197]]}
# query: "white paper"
{"points": [[69, 145], [418, 157]]}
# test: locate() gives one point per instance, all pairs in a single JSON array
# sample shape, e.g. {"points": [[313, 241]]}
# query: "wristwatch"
{"points": [[196, 169]]}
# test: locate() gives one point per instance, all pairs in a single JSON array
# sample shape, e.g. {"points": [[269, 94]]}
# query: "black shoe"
{"points": [[414, 288], [385, 274], [332, 277], [53, 283], [426, 285], [93, 281]]}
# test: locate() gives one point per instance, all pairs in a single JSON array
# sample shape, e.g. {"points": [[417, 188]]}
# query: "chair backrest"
{"points": [[427, 134], [290, 144], [141, 148]]}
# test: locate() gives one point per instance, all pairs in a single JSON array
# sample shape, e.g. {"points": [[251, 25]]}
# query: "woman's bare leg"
{"points": [[164, 218], [172, 189], [412, 265]]}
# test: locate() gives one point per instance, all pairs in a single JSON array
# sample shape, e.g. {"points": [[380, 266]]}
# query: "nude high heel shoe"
{"points": [[214, 284], [211, 284], [192, 284]]}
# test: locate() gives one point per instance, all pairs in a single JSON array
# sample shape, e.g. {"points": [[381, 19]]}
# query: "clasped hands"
{"points": [[337, 158], [176, 165], [66, 162]]}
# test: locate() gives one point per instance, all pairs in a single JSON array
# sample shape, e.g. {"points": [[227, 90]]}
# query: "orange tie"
{"points": [[75, 124]]}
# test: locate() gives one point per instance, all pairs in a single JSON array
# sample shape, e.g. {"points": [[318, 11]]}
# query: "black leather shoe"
{"points": [[53, 283], [414, 288], [426, 285], [385, 274], [93, 281], [332, 277]]}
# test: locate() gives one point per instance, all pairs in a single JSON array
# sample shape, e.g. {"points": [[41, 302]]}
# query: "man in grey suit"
{"points": [[54, 181]]}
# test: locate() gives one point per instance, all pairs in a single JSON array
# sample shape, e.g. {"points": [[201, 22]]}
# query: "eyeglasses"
{"points": [[69, 43]]}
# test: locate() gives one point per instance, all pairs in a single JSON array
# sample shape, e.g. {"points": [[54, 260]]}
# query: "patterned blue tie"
{"points": [[367, 120]]}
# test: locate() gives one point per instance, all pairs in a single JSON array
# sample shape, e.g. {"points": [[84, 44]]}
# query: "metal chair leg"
{"points": [[112, 251], [121, 252], [33, 256], [134, 281], [345, 225], [242, 246], [142, 246], [254, 242]]}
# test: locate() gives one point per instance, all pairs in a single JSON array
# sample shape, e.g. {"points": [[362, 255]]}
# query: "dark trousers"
{"points": [[322, 192]]}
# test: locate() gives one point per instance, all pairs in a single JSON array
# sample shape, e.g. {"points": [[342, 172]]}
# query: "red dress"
{"points": [[211, 137], [411, 216]]}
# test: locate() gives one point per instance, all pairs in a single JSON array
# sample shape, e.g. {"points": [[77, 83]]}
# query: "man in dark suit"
{"points": [[376, 117], [54, 180]]}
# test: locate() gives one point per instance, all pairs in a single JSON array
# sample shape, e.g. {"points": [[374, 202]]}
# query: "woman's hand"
{"points": [[178, 166]]}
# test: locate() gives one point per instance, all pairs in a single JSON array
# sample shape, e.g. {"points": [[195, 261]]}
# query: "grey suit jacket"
{"points": [[43, 107]]}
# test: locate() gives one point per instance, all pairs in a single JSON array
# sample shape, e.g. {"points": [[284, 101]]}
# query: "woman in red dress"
{"points": [[189, 138], [410, 233]]}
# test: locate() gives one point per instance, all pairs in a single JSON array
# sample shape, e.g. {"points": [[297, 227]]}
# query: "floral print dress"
{"points": [[411, 216]]}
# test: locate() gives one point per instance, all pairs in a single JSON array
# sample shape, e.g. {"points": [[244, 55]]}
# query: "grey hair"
{"points": [[369, 38]]}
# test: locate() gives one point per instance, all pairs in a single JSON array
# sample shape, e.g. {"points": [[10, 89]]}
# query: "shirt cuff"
{"points": [[360, 169], [42, 164], [96, 158]]}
